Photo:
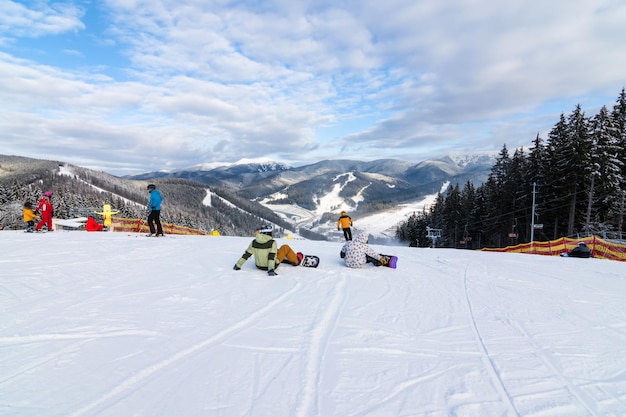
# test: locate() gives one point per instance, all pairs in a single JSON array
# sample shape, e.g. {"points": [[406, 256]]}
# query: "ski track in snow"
{"points": [[165, 327], [319, 341], [487, 360], [131, 383]]}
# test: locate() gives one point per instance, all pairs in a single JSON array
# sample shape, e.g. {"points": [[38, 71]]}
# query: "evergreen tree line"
{"points": [[84, 193], [576, 178]]}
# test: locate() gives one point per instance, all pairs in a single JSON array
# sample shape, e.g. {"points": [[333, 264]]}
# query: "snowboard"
{"points": [[392, 261], [310, 261]]}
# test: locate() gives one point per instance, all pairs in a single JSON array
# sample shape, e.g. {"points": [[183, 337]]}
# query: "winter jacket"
{"points": [[263, 247], [29, 214], [155, 200], [581, 251], [92, 225], [45, 208], [356, 250], [344, 221]]}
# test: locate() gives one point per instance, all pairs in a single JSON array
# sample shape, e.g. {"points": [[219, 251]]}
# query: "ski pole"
{"points": [[139, 224]]}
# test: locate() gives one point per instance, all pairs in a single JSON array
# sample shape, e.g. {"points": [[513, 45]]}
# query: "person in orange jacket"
{"points": [[46, 210], [345, 222], [29, 217]]}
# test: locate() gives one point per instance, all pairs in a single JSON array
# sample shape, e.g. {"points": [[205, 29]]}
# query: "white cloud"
{"points": [[39, 18], [246, 80]]}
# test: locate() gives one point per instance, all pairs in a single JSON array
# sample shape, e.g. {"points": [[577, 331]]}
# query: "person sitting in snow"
{"points": [[92, 225], [345, 222], [266, 256], [580, 251], [29, 217], [357, 253]]}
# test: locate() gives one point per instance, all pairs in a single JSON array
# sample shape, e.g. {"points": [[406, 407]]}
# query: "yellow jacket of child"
{"points": [[29, 214]]}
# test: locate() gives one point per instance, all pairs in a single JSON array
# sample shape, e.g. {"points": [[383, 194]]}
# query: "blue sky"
{"points": [[130, 86]]}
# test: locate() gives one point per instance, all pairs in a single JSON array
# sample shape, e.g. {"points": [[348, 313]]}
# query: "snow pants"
{"points": [[155, 218], [285, 253], [46, 218]]}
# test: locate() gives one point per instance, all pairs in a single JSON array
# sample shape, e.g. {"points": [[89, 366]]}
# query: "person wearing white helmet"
{"points": [[266, 254]]}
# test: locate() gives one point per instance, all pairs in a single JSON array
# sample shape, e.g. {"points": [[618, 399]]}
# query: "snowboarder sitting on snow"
{"points": [[29, 217], [266, 256], [580, 251], [357, 253], [344, 223]]}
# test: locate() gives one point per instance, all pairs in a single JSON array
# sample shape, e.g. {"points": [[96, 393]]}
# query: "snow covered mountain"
{"points": [[304, 200], [383, 191]]}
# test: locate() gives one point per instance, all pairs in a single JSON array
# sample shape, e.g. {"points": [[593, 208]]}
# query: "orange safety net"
{"points": [[600, 248], [141, 226]]}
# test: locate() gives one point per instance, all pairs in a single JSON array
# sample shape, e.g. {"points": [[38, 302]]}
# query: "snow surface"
{"points": [[380, 225], [117, 325]]}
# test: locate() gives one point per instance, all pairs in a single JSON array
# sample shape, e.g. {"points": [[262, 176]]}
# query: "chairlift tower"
{"points": [[433, 234]]}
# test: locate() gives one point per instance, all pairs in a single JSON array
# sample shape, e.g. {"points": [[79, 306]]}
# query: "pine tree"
{"points": [[606, 167], [452, 216]]}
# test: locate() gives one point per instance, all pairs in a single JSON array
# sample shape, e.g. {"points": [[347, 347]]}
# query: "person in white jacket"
{"points": [[357, 253]]}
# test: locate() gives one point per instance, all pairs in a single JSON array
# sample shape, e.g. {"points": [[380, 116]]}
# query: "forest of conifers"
{"points": [[576, 178]]}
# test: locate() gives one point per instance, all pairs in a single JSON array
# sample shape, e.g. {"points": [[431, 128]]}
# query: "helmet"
{"points": [[266, 230], [581, 244], [48, 193], [151, 187]]}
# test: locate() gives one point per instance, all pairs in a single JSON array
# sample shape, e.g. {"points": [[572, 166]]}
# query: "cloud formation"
{"points": [[133, 86]]}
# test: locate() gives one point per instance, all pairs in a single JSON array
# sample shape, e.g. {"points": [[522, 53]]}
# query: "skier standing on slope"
{"points": [[45, 208], [266, 256], [154, 208], [345, 222], [29, 217], [357, 253]]}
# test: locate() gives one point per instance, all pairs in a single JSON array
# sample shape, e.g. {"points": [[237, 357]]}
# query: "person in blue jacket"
{"points": [[154, 211]]}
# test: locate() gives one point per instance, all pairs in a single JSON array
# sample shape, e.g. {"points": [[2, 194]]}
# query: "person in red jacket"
{"points": [[92, 225], [45, 209]]}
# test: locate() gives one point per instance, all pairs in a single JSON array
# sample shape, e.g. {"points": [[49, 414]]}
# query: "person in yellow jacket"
{"points": [[345, 222], [266, 255], [29, 217], [106, 214]]}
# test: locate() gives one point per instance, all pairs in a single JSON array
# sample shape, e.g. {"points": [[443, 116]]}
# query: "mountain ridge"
{"points": [[301, 199]]}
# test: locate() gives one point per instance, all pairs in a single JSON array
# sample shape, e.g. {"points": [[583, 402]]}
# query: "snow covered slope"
{"points": [[119, 325]]}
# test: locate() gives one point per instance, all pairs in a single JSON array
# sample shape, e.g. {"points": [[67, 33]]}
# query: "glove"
{"points": [[271, 273], [338, 228], [383, 261], [236, 268], [342, 254]]}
